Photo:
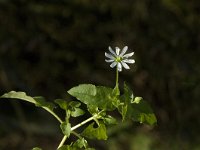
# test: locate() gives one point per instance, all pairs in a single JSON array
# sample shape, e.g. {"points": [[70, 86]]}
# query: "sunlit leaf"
{"points": [[77, 112], [19, 95], [38, 101], [83, 91], [91, 95], [137, 100]]}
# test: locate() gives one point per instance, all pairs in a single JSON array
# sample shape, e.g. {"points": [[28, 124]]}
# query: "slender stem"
{"points": [[77, 126], [65, 137], [117, 78], [84, 122], [62, 142]]}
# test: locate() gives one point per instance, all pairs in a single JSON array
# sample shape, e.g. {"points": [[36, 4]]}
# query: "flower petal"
{"points": [[117, 50], [128, 55], [109, 56], [110, 49], [123, 51], [130, 61], [109, 60], [113, 64], [119, 66], [125, 65]]}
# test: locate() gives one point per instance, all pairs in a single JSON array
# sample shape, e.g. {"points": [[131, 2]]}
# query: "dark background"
{"points": [[47, 47]]}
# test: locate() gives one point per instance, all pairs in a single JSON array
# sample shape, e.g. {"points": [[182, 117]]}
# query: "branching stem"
{"points": [[96, 116], [84, 122]]}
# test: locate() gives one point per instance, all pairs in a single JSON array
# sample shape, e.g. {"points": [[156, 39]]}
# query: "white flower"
{"points": [[119, 59]]}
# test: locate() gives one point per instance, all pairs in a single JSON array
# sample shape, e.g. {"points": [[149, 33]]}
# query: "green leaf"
{"points": [[72, 107], [104, 98], [109, 120], [75, 104], [95, 133], [62, 103], [36, 148], [80, 143], [76, 112], [137, 100], [38, 101], [18, 95], [83, 91], [136, 109], [93, 109], [41, 102], [66, 128], [101, 97], [141, 112]]}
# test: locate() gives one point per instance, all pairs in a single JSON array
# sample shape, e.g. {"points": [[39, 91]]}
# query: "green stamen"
{"points": [[118, 59]]}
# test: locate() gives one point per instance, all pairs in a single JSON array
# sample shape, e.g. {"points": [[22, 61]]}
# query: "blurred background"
{"points": [[47, 47]]}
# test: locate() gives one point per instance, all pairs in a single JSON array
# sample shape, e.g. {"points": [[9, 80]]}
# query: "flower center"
{"points": [[118, 59]]}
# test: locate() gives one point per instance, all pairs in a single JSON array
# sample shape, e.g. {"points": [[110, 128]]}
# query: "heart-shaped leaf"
{"points": [[95, 96]]}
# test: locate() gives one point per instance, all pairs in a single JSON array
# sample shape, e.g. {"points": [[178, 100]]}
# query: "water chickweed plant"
{"points": [[99, 101]]}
